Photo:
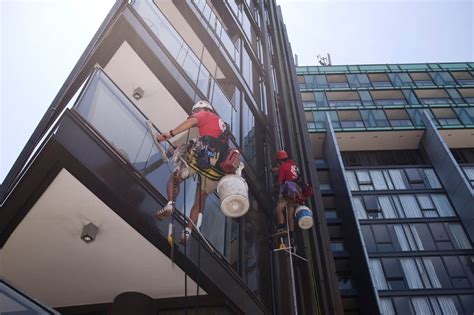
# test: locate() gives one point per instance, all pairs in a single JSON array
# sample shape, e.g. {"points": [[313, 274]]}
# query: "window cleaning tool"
{"points": [[160, 147]]}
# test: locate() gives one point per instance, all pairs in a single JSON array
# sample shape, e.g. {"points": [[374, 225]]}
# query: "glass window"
{"points": [[387, 207], [248, 135], [359, 208], [320, 120], [443, 205], [386, 306], [378, 274], [410, 206], [411, 273], [337, 246], [432, 178], [460, 239]]}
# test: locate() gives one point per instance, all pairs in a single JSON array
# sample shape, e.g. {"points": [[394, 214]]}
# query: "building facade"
{"points": [[92, 159], [393, 146]]}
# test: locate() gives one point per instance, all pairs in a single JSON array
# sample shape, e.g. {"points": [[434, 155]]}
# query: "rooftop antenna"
{"points": [[324, 61]]}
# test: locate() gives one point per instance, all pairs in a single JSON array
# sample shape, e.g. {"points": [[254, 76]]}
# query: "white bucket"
{"points": [[304, 215], [233, 192]]}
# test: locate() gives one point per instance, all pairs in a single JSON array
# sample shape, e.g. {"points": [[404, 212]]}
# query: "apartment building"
{"points": [[393, 145]]}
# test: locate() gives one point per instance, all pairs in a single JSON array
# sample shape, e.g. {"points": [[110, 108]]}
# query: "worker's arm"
{"points": [[185, 125]]}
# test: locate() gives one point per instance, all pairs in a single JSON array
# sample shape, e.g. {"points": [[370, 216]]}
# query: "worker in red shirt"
{"points": [[289, 191], [206, 150]]}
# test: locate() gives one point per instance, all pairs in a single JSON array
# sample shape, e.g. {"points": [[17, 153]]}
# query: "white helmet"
{"points": [[202, 104]]}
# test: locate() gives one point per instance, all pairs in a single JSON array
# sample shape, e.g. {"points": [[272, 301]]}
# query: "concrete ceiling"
{"points": [[46, 258], [157, 102]]}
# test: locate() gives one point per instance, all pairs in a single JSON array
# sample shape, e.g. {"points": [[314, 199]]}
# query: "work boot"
{"points": [[166, 211], [185, 235]]}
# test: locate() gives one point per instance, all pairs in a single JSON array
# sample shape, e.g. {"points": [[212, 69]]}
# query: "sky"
{"points": [[41, 41]]}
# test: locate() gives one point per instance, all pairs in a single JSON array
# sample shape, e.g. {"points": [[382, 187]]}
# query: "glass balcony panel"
{"points": [[400, 79], [387, 102], [381, 84], [374, 118], [373, 68], [466, 115], [352, 124], [320, 81], [401, 123], [442, 78], [416, 117], [309, 105], [344, 103], [337, 85], [435, 101], [449, 122], [125, 128], [465, 82], [358, 80]]}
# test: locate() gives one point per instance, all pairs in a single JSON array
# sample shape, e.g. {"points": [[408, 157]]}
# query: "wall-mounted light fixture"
{"points": [[138, 93], [89, 232]]}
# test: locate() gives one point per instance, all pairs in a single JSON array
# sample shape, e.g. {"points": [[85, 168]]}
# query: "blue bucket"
{"points": [[304, 215]]}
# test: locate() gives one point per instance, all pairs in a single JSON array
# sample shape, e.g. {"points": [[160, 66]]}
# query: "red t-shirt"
{"points": [[209, 124], [287, 171]]}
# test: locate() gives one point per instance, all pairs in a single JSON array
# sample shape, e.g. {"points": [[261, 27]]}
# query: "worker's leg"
{"points": [[172, 189], [291, 216], [280, 209], [198, 206]]}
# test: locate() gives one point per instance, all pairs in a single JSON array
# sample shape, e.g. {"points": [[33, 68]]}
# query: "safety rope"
{"points": [[293, 286], [199, 190]]}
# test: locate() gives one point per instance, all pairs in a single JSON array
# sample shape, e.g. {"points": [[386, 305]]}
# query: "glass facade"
{"points": [[447, 95]]}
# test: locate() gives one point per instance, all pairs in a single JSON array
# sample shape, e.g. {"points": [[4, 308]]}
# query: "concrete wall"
{"points": [[450, 174], [368, 298]]}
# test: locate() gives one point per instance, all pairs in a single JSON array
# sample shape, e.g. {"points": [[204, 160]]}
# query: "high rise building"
{"points": [[77, 231], [393, 146]]}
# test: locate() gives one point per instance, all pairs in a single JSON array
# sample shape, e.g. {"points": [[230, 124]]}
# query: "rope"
{"points": [[199, 247], [293, 287]]}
